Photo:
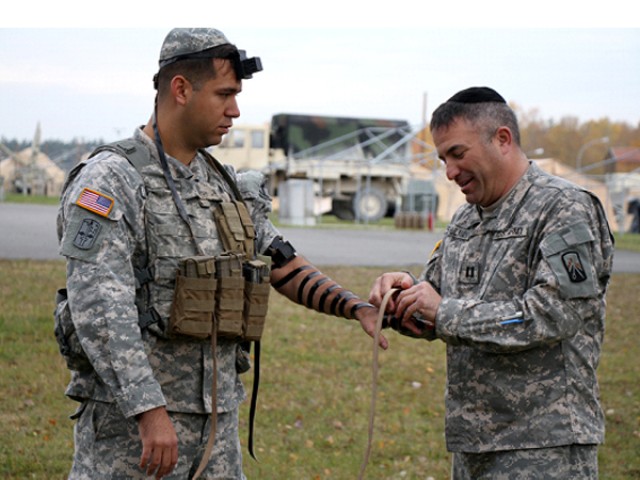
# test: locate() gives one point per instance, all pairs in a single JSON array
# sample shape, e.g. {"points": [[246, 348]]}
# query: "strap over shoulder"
{"points": [[133, 150]]}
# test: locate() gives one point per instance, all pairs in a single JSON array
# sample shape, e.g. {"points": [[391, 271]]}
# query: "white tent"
{"points": [[36, 171]]}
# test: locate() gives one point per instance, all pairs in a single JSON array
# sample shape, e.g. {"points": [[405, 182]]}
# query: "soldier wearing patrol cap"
{"points": [[141, 222], [516, 289]]}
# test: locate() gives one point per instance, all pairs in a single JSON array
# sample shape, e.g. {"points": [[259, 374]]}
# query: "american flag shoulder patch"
{"points": [[95, 202]]}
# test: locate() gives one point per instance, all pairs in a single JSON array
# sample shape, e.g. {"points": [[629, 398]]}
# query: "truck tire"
{"points": [[370, 204], [343, 210]]}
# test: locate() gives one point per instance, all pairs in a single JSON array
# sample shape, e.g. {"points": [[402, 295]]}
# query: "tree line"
{"points": [[565, 139], [561, 140]]}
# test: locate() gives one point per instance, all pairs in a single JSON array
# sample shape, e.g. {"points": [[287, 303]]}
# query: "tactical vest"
{"points": [[206, 267], [212, 258]]}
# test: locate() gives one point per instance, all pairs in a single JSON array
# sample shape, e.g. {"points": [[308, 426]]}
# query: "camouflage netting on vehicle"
{"points": [[298, 135]]}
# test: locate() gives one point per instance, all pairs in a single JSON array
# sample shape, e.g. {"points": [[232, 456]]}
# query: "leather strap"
{"points": [[214, 406], [214, 401], [256, 372], [254, 397], [374, 379]]}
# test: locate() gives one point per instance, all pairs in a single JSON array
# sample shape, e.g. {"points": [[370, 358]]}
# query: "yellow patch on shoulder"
{"points": [[435, 248]]}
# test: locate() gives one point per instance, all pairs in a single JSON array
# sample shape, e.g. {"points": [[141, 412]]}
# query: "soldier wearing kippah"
{"points": [[516, 289], [153, 230]]}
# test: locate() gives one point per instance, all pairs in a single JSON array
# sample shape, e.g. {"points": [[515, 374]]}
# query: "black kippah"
{"points": [[477, 95]]}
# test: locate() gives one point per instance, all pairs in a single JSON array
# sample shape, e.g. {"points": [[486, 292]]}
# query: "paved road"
{"points": [[29, 231]]}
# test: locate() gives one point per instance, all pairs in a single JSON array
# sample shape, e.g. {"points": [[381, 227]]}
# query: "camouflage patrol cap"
{"points": [[183, 42]]}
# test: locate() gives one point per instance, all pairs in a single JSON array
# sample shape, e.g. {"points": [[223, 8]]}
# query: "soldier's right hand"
{"points": [[159, 442], [386, 282]]}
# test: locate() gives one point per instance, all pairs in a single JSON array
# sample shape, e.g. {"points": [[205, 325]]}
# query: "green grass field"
{"points": [[315, 389]]}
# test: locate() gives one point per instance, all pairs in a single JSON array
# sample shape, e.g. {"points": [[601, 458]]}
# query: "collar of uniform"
{"points": [[177, 168], [503, 216], [502, 212]]}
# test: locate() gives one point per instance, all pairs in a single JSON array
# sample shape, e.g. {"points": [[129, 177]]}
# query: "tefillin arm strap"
{"points": [[374, 379], [317, 291]]}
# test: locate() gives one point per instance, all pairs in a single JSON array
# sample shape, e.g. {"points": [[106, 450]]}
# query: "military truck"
{"points": [[359, 166]]}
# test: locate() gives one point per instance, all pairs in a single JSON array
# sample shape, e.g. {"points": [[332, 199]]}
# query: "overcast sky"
{"points": [[95, 82]]}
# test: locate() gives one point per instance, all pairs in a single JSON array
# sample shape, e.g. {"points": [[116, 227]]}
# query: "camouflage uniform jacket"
{"points": [[522, 314], [138, 369]]}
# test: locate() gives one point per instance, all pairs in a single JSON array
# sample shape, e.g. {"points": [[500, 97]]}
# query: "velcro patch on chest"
{"points": [[95, 202], [470, 273]]}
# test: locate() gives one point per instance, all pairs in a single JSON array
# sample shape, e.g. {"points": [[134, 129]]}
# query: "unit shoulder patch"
{"points": [[570, 258], [95, 202], [573, 266], [87, 234]]}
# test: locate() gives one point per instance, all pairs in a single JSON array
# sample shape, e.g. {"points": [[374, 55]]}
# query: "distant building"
{"points": [[622, 159]]}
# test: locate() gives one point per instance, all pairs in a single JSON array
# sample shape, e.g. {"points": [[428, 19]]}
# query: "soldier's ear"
{"points": [[181, 89], [504, 138]]}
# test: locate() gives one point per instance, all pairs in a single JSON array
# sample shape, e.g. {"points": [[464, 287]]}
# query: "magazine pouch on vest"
{"points": [[229, 294], [65, 333], [236, 229], [257, 285], [194, 298]]}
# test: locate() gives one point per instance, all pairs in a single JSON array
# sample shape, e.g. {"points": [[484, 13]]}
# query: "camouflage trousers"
{"points": [[567, 462], [108, 446]]}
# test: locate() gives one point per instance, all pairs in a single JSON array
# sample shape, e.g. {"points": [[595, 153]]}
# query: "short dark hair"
{"points": [[486, 116], [196, 70]]}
